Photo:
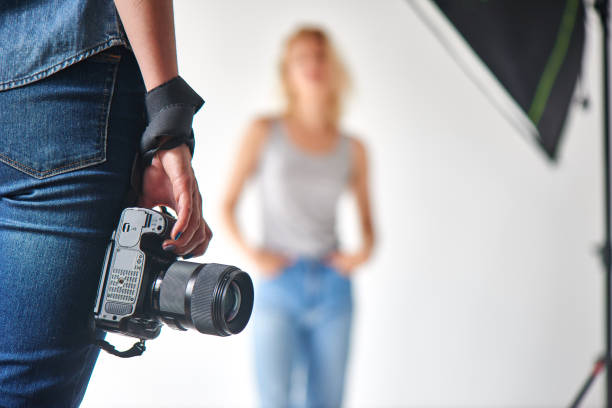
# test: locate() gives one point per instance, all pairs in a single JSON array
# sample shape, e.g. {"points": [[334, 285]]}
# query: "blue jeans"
{"points": [[302, 324], [66, 148]]}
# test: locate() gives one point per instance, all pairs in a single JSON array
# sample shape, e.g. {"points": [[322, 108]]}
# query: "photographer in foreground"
{"points": [[72, 114]]}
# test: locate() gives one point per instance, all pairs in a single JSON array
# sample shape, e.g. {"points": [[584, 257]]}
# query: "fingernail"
{"points": [[187, 256], [169, 248], [178, 236]]}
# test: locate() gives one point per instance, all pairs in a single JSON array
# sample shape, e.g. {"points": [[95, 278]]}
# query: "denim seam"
{"points": [[109, 88], [47, 173], [17, 82], [109, 91]]}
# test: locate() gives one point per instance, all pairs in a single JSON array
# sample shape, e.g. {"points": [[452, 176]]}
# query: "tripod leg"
{"points": [[599, 366]]}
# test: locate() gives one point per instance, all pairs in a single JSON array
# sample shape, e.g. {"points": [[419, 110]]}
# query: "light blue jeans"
{"points": [[302, 324], [67, 144]]}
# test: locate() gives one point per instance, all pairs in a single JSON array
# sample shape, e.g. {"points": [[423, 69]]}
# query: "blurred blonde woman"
{"points": [[302, 163]]}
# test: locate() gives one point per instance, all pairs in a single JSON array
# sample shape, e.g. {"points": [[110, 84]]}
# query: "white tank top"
{"points": [[299, 194]]}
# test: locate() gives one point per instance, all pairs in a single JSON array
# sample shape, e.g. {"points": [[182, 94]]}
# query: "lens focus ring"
{"points": [[212, 298]]}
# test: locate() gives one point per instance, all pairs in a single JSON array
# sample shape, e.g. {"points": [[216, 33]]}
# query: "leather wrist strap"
{"points": [[170, 110]]}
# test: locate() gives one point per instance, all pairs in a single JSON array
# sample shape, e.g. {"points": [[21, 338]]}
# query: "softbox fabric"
{"points": [[534, 48]]}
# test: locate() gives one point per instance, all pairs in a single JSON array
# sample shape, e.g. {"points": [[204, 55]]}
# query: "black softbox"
{"points": [[535, 50]]}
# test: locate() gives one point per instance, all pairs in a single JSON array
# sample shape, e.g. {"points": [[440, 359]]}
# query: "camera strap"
{"points": [[170, 110], [136, 350]]}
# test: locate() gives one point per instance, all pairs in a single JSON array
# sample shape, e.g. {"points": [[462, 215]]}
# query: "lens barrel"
{"points": [[211, 298]]}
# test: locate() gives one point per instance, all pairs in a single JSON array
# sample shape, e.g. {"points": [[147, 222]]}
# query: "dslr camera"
{"points": [[143, 286]]}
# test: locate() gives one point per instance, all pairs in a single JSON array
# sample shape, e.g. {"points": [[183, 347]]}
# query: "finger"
{"points": [[194, 226], [177, 166], [190, 239], [176, 242], [184, 207], [177, 232], [199, 244], [207, 237], [200, 249]]}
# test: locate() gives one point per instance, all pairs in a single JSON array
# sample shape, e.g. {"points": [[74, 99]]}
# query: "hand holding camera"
{"points": [[170, 181], [166, 150], [143, 286]]}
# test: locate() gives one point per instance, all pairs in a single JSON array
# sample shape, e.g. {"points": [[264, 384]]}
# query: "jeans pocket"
{"points": [[59, 124]]}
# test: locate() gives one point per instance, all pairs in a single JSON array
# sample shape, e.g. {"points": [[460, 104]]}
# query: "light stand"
{"points": [[604, 362]]}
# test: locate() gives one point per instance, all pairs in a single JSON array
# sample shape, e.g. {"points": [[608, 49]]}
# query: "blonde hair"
{"points": [[339, 72]]}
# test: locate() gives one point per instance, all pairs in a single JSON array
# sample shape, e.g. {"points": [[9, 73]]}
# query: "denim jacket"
{"points": [[41, 37]]}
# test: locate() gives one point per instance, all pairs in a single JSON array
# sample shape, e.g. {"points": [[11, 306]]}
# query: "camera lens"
{"points": [[211, 298], [231, 302]]}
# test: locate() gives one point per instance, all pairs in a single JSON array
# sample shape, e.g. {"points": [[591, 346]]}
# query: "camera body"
{"points": [[143, 286], [134, 259]]}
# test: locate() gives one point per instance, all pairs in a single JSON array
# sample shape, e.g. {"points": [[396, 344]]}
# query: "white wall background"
{"points": [[485, 290]]}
